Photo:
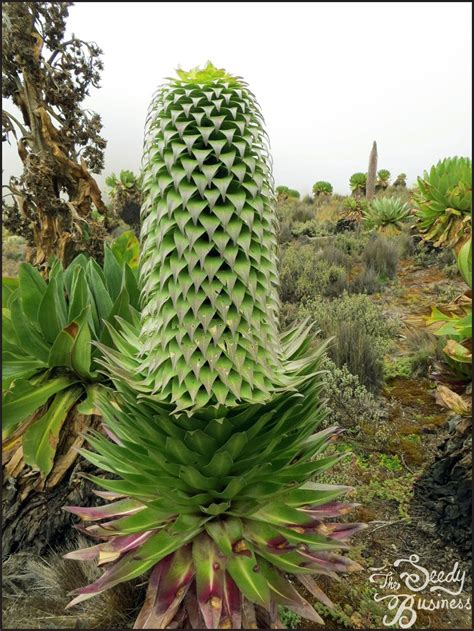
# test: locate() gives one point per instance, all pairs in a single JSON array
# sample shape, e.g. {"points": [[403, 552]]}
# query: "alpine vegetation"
{"points": [[212, 437], [443, 202]]}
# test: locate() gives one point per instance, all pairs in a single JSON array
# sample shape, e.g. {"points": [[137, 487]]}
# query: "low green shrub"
{"points": [[381, 255], [304, 274], [349, 402], [335, 256], [289, 618], [362, 334], [353, 349], [353, 243], [367, 282], [405, 244], [398, 367]]}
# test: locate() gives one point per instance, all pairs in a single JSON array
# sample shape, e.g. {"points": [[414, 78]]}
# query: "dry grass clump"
{"points": [[35, 594]]}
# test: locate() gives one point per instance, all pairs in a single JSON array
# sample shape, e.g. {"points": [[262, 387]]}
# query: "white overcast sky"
{"points": [[330, 78]]}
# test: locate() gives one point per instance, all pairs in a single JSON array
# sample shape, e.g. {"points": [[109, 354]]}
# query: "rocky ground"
{"points": [[395, 489]]}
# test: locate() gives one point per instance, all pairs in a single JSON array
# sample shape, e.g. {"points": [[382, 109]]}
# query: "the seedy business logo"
{"points": [[401, 586]]}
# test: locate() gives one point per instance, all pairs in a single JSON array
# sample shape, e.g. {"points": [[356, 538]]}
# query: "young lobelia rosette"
{"points": [[212, 429]]}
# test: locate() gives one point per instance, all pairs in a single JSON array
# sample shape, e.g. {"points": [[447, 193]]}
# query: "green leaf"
{"points": [[126, 249], [41, 438], [50, 314], [18, 367], [464, 261], [79, 294], [209, 573], [79, 262], [29, 339], [286, 595], [120, 308], [131, 285], [219, 466], [67, 351], [225, 533], [112, 273], [25, 398], [9, 287], [81, 351], [249, 579], [32, 288], [99, 292], [90, 403]]}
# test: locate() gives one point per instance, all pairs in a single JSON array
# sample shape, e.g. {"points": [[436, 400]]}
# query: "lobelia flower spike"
{"points": [[212, 430]]}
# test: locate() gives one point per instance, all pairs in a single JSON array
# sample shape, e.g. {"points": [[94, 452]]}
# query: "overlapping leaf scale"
{"points": [[208, 272]]}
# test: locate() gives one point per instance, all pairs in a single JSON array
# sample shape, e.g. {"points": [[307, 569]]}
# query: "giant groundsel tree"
{"points": [[212, 431]]}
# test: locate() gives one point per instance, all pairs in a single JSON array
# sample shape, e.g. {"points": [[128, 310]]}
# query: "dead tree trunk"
{"points": [[445, 488], [33, 515]]}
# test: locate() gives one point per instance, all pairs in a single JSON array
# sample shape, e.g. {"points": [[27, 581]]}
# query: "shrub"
{"points": [[386, 215], [444, 202], [363, 334], [291, 216], [335, 256], [406, 244], [353, 243], [350, 404], [304, 274], [367, 282], [309, 228], [295, 211], [285, 235], [353, 348], [381, 255], [427, 255]]}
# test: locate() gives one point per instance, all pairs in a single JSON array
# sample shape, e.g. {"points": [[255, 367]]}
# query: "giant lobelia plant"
{"points": [[212, 430]]}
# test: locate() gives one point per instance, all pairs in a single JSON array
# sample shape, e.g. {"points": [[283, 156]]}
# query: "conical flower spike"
{"points": [[207, 184]]}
